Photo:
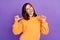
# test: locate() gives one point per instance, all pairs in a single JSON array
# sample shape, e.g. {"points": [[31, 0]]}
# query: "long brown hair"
{"points": [[25, 14]]}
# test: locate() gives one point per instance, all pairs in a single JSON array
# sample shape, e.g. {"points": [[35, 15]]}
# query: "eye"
{"points": [[27, 9]]}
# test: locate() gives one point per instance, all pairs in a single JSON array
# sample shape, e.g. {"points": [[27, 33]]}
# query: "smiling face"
{"points": [[29, 10]]}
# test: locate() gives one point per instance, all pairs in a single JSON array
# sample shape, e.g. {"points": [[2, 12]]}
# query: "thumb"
{"points": [[20, 18]]}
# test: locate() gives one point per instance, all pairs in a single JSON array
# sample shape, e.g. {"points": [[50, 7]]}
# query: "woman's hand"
{"points": [[17, 18], [43, 18]]}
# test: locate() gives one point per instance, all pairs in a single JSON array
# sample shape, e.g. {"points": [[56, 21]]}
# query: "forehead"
{"points": [[27, 6]]}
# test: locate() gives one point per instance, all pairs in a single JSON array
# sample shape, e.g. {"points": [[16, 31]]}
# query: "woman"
{"points": [[31, 25]]}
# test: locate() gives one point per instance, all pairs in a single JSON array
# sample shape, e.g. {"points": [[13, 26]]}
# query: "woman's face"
{"points": [[29, 10]]}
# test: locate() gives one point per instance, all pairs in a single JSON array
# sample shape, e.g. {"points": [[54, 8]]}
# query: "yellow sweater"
{"points": [[31, 28]]}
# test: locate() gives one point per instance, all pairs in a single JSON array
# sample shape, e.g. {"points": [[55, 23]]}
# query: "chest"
{"points": [[31, 24]]}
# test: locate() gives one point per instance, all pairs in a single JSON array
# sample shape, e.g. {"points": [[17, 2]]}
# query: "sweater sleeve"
{"points": [[44, 28], [17, 28]]}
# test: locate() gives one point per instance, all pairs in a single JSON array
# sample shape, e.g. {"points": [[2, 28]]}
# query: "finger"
{"points": [[43, 16], [17, 16], [20, 18]]}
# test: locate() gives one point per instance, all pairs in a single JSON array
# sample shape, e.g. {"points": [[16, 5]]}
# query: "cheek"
{"points": [[27, 11], [32, 9]]}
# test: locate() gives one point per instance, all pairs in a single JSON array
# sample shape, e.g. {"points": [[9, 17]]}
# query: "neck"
{"points": [[31, 16]]}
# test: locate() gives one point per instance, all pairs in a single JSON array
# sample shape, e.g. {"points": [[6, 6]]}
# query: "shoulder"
{"points": [[38, 17], [21, 21]]}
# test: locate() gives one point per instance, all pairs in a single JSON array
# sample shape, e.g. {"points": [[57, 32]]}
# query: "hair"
{"points": [[24, 12]]}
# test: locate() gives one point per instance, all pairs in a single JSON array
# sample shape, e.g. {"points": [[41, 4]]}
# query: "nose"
{"points": [[31, 9]]}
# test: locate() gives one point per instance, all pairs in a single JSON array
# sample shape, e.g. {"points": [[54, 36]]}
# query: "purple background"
{"points": [[10, 8]]}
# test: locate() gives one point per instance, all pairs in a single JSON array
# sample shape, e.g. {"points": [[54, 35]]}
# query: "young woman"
{"points": [[31, 25]]}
